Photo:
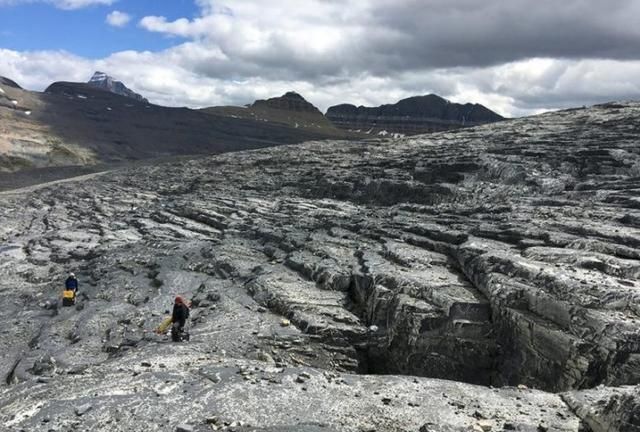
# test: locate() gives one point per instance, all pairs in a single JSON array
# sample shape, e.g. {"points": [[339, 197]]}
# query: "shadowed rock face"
{"points": [[505, 254], [78, 124], [411, 116]]}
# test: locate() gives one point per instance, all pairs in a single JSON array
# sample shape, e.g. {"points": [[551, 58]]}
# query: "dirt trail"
{"points": [[51, 183]]}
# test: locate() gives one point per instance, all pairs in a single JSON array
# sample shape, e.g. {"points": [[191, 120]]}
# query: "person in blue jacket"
{"points": [[71, 283], [70, 290]]}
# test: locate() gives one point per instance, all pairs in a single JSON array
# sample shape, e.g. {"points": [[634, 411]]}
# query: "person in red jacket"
{"points": [[179, 319]]}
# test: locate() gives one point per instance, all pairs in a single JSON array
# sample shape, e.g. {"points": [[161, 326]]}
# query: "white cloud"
{"points": [[383, 36], [118, 19], [512, 89], [61, 4], [37, 69], [375, 51]]}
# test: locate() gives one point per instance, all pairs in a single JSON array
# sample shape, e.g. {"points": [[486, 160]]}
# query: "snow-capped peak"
{"points": [[106, 82], [100, 76]]}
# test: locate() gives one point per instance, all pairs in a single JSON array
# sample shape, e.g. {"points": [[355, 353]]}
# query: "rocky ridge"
{"points": [[289, 109], [504, 256], [411, 116], [8, 82]]}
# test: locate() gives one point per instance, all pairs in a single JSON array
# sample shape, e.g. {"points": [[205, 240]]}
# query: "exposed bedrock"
{"points": [[505, 255], [607, 409], [428, 319]]}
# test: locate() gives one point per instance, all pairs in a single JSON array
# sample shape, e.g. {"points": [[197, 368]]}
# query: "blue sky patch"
{"points": [[85, 32]]}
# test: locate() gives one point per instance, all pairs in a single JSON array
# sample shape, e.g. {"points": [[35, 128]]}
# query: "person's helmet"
{"points": [[179, 300], [72, 274]]}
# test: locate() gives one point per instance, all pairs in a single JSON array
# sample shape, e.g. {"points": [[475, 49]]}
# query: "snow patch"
{"points": [[1, 91], [14, 102], [109, 109], [23, 414], [27, 112], [165, 389], [383, 133], [99, 76], [81, 96]]}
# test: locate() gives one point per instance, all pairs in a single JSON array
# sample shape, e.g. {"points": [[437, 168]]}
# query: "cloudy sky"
{"points": [[517, 57]]}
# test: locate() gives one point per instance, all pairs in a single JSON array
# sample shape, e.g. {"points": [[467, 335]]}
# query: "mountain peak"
{"points": [[290, 101], [106, 82], [100, 76], [293, 95]]}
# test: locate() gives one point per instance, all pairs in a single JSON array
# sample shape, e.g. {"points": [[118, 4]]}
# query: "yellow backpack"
{"points": [[164, 325], [68, 294]]}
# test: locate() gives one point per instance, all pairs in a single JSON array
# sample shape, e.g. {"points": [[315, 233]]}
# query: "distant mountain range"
{"points": [[86, 124], [104, 122], [415, 115]]}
